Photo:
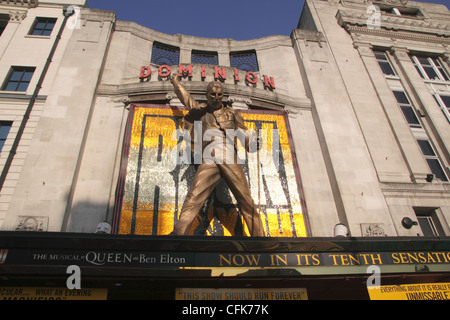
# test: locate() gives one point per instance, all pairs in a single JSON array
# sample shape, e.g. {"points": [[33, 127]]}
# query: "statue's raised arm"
{"points": [[183, 94]]}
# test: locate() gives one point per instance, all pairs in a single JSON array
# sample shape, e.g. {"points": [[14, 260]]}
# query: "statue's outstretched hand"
{"points": [[174, 79]]}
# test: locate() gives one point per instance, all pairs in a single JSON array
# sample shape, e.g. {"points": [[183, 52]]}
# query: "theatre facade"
{"points": [[351, 182]]}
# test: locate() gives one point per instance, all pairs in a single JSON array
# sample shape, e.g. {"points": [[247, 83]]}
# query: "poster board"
{"points": [[154, 180]]}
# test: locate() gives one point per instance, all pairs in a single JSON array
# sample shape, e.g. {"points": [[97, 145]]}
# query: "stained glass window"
{"points": [[164, 54], [203, 57], [246, 61]]}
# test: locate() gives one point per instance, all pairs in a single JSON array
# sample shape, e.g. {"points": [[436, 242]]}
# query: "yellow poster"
{"points": [[419, 291], [241, 294], [157, 173], [41, 293]]}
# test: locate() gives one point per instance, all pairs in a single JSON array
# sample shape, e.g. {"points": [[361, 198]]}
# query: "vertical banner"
{"points": [[157, 171]]}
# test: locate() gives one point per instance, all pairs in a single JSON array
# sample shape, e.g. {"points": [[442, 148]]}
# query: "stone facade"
{"points": [[358, 158]]}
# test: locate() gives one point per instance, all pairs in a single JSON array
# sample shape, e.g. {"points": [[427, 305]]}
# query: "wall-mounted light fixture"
{"points": [[430, 177], [407, 223], [340, 230]]}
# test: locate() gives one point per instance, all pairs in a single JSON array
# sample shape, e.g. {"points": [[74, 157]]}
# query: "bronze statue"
{"points": [[216, 117]]}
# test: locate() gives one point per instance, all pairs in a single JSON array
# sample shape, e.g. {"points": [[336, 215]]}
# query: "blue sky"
{"points": [[236, 19]]}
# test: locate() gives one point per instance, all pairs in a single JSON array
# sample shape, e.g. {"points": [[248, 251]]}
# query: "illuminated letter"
{"points": [[182, 71], [334, 259], [164, 74], [251, 78], [236, 262], [236, 75], [203, 72], [228, 261], [220, 74], [145, 73], [252, 260], [376, 257], [269, 83], [396, 258]]}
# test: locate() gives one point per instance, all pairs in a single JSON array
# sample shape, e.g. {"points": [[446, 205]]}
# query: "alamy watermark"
{"points": [[74, 280], [374, 281], [220, 146], [374, 20], [74, 20]]}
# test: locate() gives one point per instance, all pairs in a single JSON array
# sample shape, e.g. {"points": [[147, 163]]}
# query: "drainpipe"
{"points": [[67, 12]]}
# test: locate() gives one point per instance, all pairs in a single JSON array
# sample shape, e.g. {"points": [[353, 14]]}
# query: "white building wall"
{"points": [[48, 162], [399, 185], [358, 159]]}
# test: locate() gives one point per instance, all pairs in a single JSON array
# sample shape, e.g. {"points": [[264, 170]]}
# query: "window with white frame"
{"points": [[430, 68], [429, 222], [432, 159], [444, 102], [407, 109], [384, 63]]}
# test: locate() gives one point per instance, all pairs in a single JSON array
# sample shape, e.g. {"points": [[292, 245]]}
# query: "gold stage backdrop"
{"points": [[154, 181]]}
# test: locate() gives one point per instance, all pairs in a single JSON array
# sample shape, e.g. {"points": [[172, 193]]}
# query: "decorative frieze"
{"points": [[403, 27], [393, 2], [22, 3]]}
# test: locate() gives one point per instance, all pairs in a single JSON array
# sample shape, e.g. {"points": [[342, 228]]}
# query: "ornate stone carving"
{"points": [[373, 230], [123, 100], [239, 102], [17, 16], [32, 223], [394, 2]]}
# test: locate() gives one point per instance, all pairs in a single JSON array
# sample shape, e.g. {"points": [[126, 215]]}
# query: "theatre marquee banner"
{"points": [[157, 172], [418, 291]]}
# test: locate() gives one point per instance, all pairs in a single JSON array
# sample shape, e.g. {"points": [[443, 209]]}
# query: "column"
{"points": [[392, 132]]}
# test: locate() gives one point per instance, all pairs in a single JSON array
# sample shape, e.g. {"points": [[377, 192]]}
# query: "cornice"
{"points": [[264, 98], [423, 190], [392, 34], [213, 44], [20, 3], [404, 27]]}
